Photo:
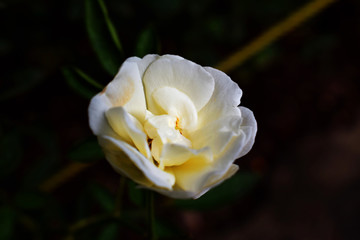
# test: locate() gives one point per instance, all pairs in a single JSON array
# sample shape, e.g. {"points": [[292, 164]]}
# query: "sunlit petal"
{"points": [[129, 129], [181, 74], [115, 151]]}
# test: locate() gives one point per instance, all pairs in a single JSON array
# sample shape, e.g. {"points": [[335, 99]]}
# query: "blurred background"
{"points": [[301, 180]]}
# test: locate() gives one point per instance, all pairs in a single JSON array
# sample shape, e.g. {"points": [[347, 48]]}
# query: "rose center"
{"points": [[166, 135]]}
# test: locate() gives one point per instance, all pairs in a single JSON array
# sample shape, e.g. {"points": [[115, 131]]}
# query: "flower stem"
{"points": [[150, 215], [86, 222], [119, 197], [276, 31]]}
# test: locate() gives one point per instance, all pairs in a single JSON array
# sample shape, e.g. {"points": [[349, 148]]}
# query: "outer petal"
{"points": [[216, 134], [180, 193], [225, 98], [148, 172], [129, 129], [97, 120], [238, 146], [181, 74], [143, 63], [196, 176], [229, 173], [127, 90], [249, 127]]}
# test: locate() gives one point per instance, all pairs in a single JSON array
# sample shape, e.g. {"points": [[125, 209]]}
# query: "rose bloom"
{"points": [[171, 125]]}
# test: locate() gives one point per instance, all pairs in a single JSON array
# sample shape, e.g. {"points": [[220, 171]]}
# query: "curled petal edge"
{"points": [[116, 149]]}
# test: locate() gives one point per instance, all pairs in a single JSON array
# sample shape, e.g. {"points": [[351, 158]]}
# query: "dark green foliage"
{"points": [[109, 232], [136, 194], [102, 35], [7, 222], [86, 151], [75, 85], [102, 197], [88, 79], [147, 42]]}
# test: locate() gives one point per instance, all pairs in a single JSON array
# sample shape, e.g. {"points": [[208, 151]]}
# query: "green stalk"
{"points": [[119, 197], [150, 215]]}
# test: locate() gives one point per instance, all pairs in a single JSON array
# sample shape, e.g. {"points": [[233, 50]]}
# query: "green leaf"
{"points": [[110, 26], [136, 194], [227, 192], [86, 152], [147, 43], [103, 197], [87, 78], [109, 232], [100, 38], [75, 85], [7, 222]]}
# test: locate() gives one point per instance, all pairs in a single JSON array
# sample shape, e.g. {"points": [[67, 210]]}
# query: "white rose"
{"points": [[171, 125]]}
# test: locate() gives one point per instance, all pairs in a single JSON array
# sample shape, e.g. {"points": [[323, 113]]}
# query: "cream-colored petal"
{"points": [[168, 147], [237, 147], [177, 104], [129, 129], [164, 128], [175, 193], [155, 124], [181, 74], [179, 193], [143, 63], [173, 57], [123, 165], [127, 90], [249, 128], [216, 181], [225, 98], [195, 177], [216, 134], [114, 150], [198, 176], [99, 104], [176, 154], [189, 176]]}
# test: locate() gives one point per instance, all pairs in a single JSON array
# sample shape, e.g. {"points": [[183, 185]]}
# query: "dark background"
{"points": [[301, 180]]}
